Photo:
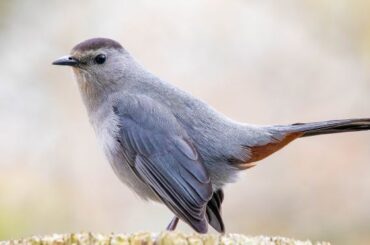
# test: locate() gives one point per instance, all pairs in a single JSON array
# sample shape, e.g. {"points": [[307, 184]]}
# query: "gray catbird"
{"points": [[167, 145]]}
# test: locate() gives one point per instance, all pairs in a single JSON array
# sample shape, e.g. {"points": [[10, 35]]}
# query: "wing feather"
{"points": [[165, 158]]}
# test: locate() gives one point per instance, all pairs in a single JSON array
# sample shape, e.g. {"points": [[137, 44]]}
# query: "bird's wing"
{"points": [[165, 158], [214, 211]]}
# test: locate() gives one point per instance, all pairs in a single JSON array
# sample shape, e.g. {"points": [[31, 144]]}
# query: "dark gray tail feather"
{"points": [[327, 127], [214, 211]]}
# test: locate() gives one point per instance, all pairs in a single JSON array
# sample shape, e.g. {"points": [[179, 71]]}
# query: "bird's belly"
{"points": [[125, 173], [114, 153]]}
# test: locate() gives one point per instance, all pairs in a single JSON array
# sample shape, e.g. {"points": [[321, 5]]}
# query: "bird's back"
{"points": [[220, 141]]}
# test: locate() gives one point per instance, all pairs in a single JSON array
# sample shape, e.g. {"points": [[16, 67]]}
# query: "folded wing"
{"points": [[165, 158]]}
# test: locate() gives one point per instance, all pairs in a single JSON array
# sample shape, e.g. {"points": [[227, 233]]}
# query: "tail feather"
{"points": [[281, 135], [329, 127]]}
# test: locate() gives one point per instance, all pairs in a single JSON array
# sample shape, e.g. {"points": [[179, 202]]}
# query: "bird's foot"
{"points": [[173, 224]]}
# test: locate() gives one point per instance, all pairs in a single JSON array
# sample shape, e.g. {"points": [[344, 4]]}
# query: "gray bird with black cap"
{"points": [[167, 145]]}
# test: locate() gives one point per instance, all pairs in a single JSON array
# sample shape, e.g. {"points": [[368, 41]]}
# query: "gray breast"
{"points": [[106, 130]]}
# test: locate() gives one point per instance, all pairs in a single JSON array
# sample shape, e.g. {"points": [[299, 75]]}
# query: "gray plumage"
{"points": [[167, 145]]}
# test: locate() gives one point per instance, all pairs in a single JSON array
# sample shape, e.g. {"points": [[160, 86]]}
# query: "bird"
{"points": [[167, 145]]}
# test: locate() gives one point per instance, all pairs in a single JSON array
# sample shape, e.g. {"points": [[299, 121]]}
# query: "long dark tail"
{"points": [[330, 127], [281, 135]]}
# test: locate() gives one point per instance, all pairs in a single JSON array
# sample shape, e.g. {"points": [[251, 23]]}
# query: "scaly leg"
{"points": [[173, 224]]}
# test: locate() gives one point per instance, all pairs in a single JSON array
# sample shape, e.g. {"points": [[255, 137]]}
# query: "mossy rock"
{"points": [[147, 238]]}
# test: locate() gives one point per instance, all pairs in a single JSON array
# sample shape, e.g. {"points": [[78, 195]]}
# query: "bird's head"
{"points": [[98, 63]]}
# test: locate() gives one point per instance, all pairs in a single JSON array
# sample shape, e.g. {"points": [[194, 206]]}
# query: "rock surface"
{"points": [[147, 238]]}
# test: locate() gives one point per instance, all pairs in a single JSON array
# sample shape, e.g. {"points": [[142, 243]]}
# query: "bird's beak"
{"points": [[66, 61]]}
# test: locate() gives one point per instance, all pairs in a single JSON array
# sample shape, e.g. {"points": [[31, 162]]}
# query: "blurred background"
{"points": [[262, 62]]}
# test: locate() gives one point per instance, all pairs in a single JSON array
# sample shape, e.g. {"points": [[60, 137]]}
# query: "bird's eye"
{"points": [[100, 59]]}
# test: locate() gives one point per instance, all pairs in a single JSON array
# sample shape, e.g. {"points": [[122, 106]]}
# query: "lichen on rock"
{"points": [[148, 238]]}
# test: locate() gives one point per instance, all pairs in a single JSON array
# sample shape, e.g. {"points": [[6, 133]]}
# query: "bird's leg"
{"points": [[173, 224]]}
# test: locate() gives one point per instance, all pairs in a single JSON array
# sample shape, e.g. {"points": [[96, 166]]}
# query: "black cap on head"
{"points": [[96, 43]]}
